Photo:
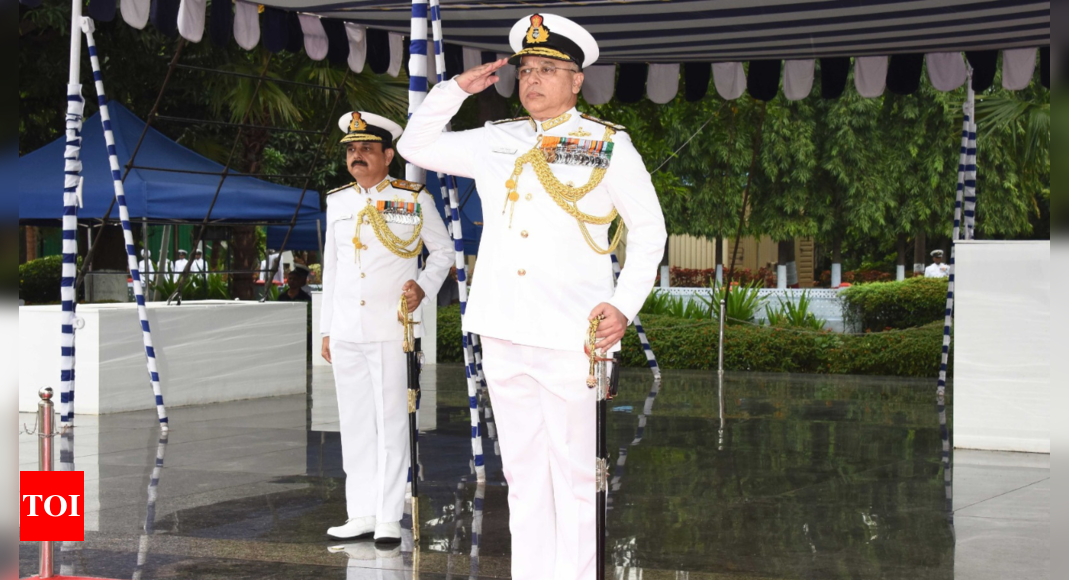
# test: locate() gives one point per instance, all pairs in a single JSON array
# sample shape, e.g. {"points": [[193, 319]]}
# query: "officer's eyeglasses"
{"points": [[543, 71]]}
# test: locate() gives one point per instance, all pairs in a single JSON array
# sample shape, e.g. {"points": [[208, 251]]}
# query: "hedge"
{"points": [[39, 280], [895, 305], [687, 344]]}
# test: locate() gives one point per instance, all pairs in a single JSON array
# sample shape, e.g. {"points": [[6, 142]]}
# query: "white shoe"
{"points": [[353, 529], [388, 533]]}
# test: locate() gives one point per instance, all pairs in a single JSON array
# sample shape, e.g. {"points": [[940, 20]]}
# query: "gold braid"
{"points": [[567, 196], [389, 239]]}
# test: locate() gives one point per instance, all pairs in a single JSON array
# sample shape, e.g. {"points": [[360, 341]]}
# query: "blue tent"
{"points": [[152, 194], [471, 218]]}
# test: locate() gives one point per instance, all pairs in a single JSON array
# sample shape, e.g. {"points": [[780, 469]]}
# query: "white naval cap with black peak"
{"points": [[552, 36]]}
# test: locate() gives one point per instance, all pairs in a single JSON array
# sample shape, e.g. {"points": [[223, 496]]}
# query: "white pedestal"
{"points": [[207, 352], [1002, 395]]}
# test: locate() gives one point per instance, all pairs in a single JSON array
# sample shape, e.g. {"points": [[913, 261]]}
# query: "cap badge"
{"points": [[357, 124], [537, 33]]}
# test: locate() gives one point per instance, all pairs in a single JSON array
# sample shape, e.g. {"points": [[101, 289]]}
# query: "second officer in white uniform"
{"points": [[376, 230]]}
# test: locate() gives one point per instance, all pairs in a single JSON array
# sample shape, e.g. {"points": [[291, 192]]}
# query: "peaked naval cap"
{"points": [[361, 126], [552, 36]]}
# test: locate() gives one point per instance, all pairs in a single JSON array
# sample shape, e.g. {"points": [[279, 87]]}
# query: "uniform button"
{"points": [[361, 303], [363, 275], [523, 234], [529, 197], [364, 247], [522, 272]]}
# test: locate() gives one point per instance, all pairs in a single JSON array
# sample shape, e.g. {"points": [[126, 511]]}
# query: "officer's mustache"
{"points": [[359, 162]]}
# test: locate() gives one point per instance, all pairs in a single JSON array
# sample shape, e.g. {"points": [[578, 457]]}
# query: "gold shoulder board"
{"points": [[407, 185], [513, 120], [613, 126], [337, 189]]}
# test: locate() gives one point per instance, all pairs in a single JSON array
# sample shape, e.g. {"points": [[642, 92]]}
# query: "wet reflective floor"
{"points": [[767, 477]]}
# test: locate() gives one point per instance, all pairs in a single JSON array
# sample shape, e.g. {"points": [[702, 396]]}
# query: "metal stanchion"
{"points": [[45, 435], [723, 312]]}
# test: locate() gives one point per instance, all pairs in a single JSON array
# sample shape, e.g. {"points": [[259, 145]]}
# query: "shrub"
{"points": [[895, 305], [39, 280], [450, 349], [689, 344], [792, 315], [742, 302]]}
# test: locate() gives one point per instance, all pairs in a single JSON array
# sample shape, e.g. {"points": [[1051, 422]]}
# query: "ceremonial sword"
{"points": [[412, 359], [607, 383]]}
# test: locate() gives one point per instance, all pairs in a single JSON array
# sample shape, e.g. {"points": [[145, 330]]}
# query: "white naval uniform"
{"points": [[937, 271], [538, 282], [361, 293]]}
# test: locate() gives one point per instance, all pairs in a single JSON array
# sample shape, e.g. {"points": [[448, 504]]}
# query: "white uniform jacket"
{"points": [[937, 271], [537, 279], [361, 291]]}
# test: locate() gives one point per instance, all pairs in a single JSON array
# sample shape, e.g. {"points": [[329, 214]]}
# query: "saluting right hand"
{"points": [[476, 80]]}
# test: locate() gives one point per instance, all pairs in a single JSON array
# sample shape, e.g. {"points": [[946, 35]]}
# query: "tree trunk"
{"points": [[244, 253], [920, 253], [29, 252], [783, 263], [900, 270], [719, 259], [836, 262]]}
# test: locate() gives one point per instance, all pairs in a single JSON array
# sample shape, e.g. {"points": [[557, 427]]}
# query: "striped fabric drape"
{"points": [[68, 298], [124, 217], [965, 204]]}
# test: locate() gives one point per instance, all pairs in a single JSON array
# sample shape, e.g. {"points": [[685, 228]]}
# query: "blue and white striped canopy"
{"points": [[730, 30]]}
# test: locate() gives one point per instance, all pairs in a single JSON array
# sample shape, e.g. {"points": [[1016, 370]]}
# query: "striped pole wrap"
{"points": [[72, 177], [124, 217], [417, 91], [966, 170], [967, 173], [150, 510], [449, 193], [646, 348], [618, 475]]}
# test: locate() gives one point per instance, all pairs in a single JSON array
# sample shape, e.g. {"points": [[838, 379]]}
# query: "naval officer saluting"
{"points": [[551, 184], [376, 228]]}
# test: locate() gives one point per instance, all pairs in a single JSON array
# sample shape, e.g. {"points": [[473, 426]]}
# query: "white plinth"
{"points": [[207, 352], [1002, 394]]}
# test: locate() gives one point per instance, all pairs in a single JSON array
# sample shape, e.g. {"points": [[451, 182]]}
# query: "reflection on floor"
{"points": [[770, 477]]}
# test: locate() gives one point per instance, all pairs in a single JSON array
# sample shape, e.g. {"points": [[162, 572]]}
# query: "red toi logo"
{"points": [[53, 506]]}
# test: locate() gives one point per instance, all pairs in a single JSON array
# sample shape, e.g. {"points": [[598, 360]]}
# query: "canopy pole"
{"points": [[128, 233], [71, 192]]}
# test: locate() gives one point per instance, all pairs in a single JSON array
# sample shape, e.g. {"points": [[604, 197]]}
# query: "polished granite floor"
{"points": [[769, 477]]}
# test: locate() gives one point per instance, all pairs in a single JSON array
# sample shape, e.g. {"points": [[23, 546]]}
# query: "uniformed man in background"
{"points": [[376, 229], [937, 269], [551, 184]]}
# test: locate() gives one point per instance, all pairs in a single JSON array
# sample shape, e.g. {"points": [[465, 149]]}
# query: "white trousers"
{"points": [[547, 429], [372, 382]]}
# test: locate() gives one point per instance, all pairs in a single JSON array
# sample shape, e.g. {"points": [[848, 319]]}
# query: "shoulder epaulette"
{"points": [[407, 185], [614, 126], [512, 120], [337, 189]]}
